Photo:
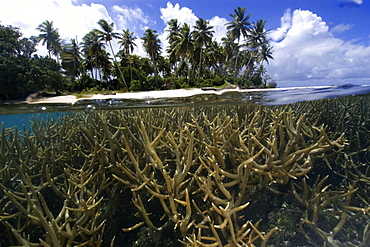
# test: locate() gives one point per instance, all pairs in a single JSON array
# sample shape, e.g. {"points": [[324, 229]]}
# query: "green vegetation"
{"points": [[194, 58], [22, 73]]}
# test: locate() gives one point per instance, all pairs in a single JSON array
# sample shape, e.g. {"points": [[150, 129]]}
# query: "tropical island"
{"points": [[290, 173], [194, 59]]}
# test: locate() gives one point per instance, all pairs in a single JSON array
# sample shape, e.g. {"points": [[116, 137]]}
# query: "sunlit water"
{"points": [[341, 110], [17, 112]]}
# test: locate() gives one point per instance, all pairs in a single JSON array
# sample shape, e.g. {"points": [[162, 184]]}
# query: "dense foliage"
{"points": [[193, 58], [20, 72]]}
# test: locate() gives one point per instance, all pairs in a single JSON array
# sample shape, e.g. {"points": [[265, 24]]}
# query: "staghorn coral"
{"points": [[75, 180], [39, 197]]}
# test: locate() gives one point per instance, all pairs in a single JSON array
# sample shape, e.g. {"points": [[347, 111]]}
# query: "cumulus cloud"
{"points": [[219, 27], [71, 20], [182, 14], [186, 15], [132, 18], [312, 55], [286, 23]]}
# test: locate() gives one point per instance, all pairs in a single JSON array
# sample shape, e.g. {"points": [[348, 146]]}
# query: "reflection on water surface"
{"points": [[236, 169]]}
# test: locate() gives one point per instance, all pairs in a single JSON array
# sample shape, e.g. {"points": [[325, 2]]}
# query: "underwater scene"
{"points": [[283, 169]]}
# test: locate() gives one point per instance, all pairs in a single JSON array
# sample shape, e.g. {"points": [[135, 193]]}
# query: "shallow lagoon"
{"points": [[283, 167]]}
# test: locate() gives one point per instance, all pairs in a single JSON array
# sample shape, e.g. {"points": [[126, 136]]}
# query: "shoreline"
{"points": [[149, 95]]}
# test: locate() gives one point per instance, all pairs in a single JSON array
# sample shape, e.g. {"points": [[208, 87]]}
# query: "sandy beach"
{"points": [[149, 95]]}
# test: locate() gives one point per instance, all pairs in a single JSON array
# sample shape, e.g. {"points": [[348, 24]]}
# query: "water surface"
{"points": [[228, 167]]}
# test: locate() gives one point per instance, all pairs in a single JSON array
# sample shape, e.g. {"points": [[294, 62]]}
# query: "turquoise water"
{"points": [[285, 167]]}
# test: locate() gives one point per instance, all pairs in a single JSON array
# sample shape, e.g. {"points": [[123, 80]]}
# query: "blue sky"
{"points": [[316, 42]]}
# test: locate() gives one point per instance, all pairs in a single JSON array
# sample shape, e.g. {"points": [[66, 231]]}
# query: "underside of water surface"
{"points": [[204, 175]]}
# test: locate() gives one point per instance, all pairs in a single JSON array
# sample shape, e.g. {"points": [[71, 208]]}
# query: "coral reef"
{"points": [[236, 175]]}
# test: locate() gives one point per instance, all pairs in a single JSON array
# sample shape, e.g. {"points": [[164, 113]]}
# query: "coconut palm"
{"points": [[214, 57], [239, 25], [249, 58], [173, 29], [71, 59], [152, 46], [257, 34], [232, 52], [259, 48], [127, 42], [183, 45], [230, 47], [92, 48], [202, 34], [50, 36], [107, 35], [173, 33], [163, 66], [265, 53]]}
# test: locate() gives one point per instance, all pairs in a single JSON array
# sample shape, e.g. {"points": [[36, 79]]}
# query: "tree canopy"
{"points": [[21, 73], [194, 58]]}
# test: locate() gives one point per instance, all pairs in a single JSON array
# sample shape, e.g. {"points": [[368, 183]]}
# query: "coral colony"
{"points": [[239, 175]]}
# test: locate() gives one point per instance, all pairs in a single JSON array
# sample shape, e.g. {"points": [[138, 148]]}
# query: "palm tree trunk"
{"points": [[200, 63], [250, 60], [116, 63], [236, 62], [155, 71], [131, 71]]}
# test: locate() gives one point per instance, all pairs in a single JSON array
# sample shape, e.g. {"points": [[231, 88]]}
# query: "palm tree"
{"points": [[202, 34], [248, 61], [232, 52], [174, 30], [257, 34], [183, 45], [105, 66], [127, 41], [71, 59], [214, 56], [265, 53], [163, 66], [93, 48], [146, 66], [51, 37], [107, 35], [230, 47], [152, 46], [239, 25], [258, 45]]}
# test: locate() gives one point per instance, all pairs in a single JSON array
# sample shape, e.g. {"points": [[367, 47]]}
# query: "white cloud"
{"points": [[186, 15], [312, 55], [136, 21], [340, 28], [219, 27], [183, 15], [132, 18], [286, 23], [71, 20], [350, 3]]}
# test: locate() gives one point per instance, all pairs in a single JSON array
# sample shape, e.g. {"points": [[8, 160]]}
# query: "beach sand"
{"points": [[149, 95]]}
